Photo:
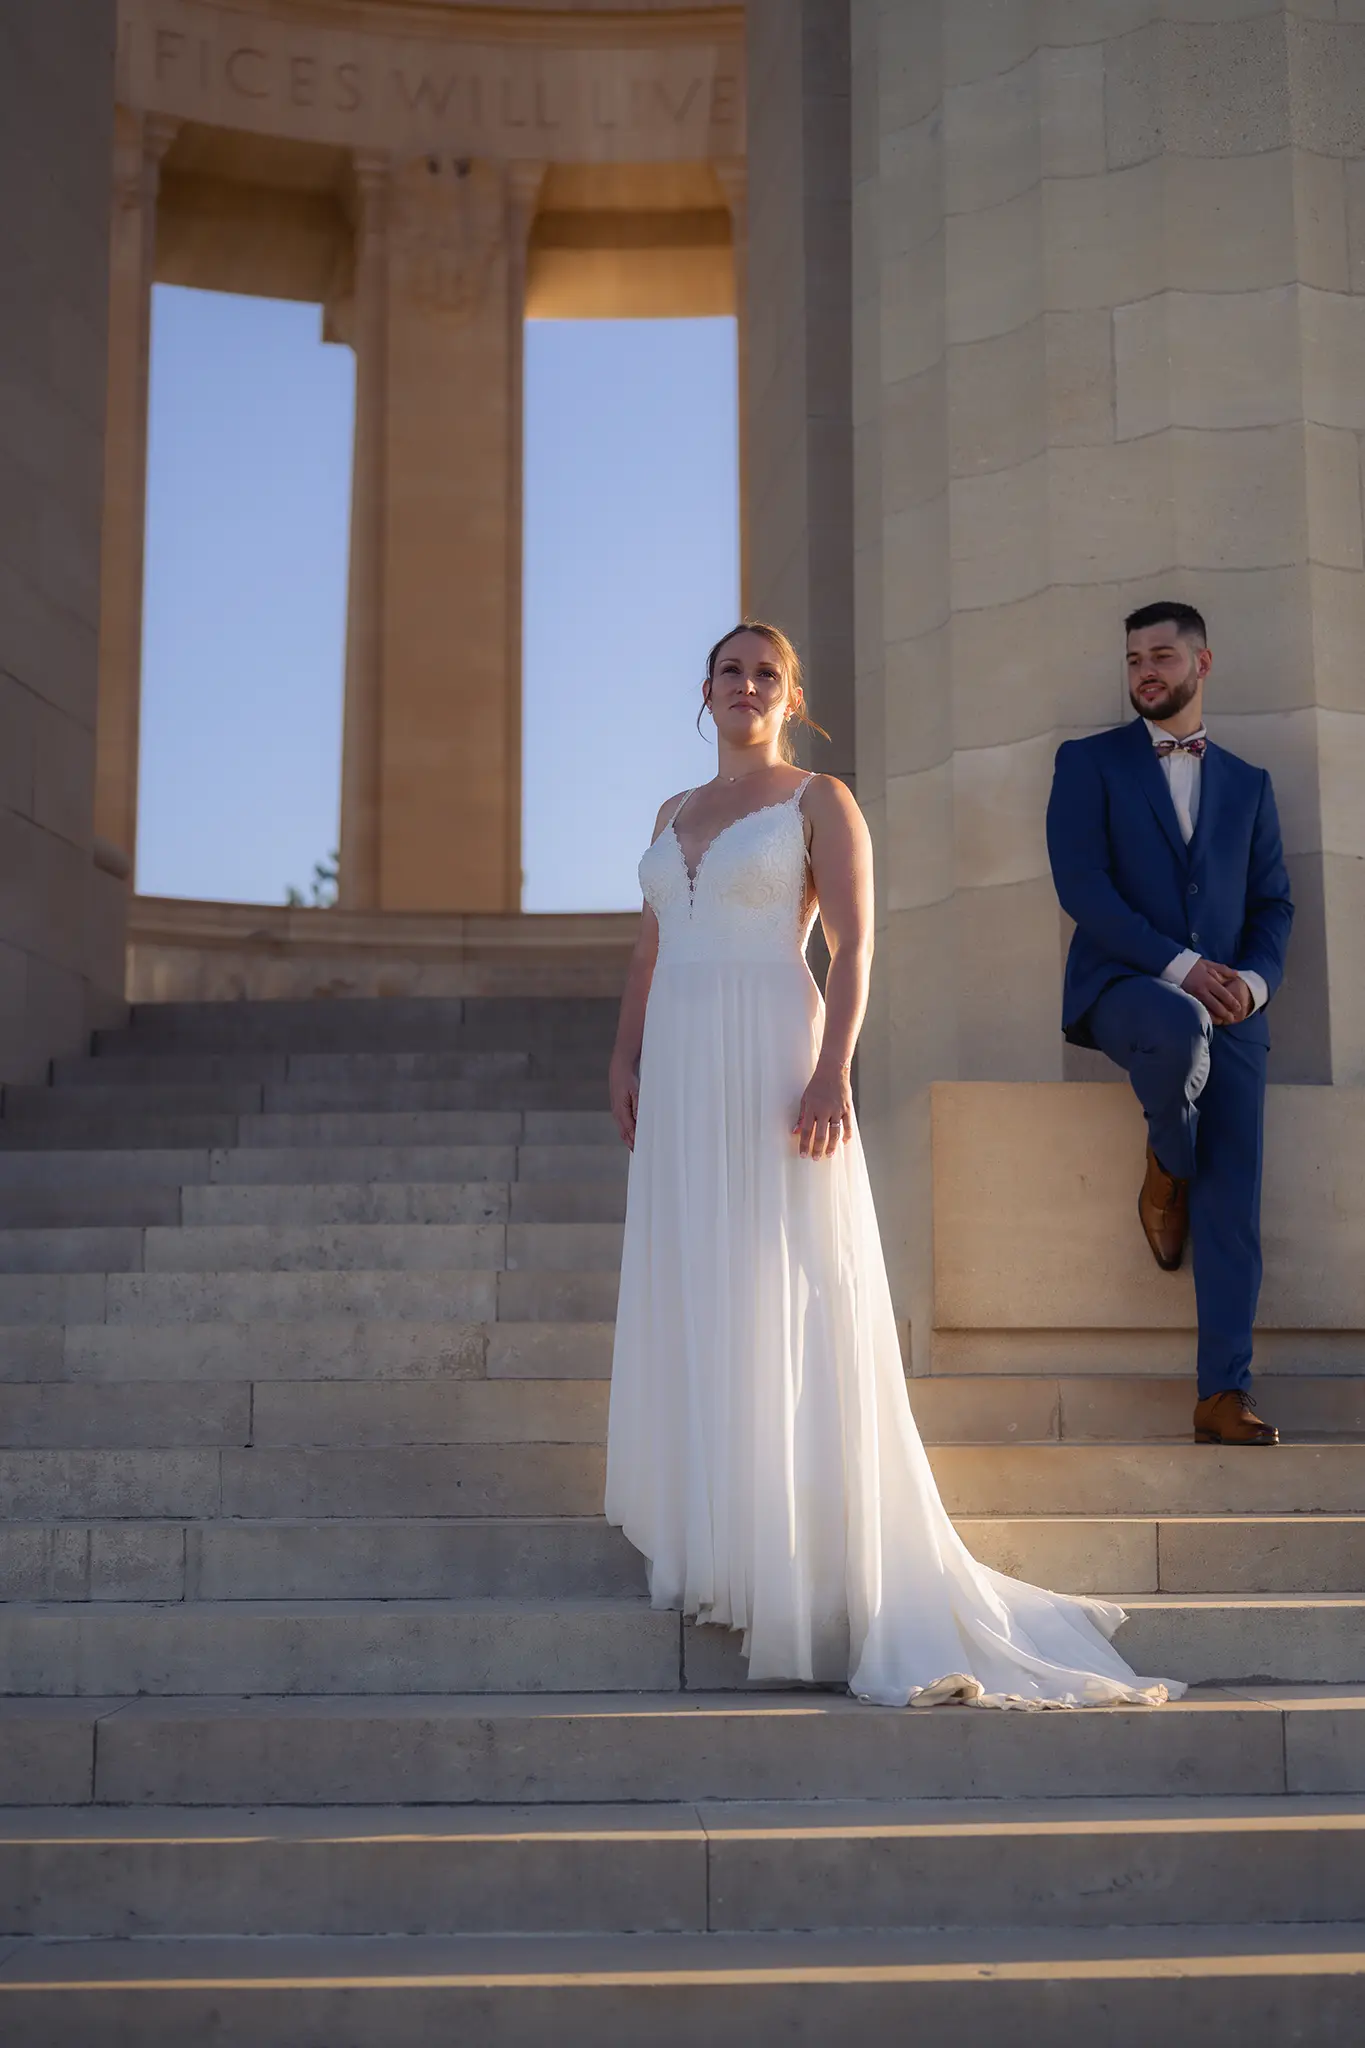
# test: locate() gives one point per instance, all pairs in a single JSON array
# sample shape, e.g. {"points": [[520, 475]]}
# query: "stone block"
{"points": [[557, 1297], [393, 1127], [142, 1298], [913, 595], [913, 434], [70, 1250], [1237, 230], [468, 1412], [909, 313], [996, 401], [1121, 1864], [1211, 1640], [1080, 1263], [1327, 58], [478, 1479], [82, 1485], [1071, 109], [243, 1248], [339, 1647], [47, 1750], [1011, 930], [1320, 211], [999, 535], [991, 138], [1333, 342], [1239, 497], [1332, 473], [149, 1416], [1073, 1553], [137, 1561], [1103, 239], [1146, 1479], [1341, 767], [501, 1870], [1079, 377], [52, 1297], [999, 803], [919, 825], [1269, 1554], [563, 1247], [1322, 1751], [348, 1202], [410, 1558], [994, 262], [529, 1350], [983, 40], [1198, 89], [1111, 511], [322, 1349], [1212, 359]]}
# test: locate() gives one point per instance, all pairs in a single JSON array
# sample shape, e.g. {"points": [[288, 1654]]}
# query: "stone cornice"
{"points": [[448, 21]]}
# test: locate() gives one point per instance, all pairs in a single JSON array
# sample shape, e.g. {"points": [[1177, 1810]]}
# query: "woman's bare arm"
{"points": [[841, 867], [624, 1072]]}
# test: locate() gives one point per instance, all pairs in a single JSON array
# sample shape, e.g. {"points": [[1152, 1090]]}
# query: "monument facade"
{"points": [[430, 175]]}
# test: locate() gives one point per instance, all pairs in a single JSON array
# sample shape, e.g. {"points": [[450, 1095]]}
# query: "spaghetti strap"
{"points": [[677, 811], [797, 793]]}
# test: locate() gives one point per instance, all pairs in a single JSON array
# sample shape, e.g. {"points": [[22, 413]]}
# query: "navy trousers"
{"points": [[1202, 1090]]}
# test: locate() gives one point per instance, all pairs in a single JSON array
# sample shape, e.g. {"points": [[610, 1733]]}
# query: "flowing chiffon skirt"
{"points": [[761, 1450]]}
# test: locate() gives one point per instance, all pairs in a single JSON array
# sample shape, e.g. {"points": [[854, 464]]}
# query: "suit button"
{"points": [[1194, 889], [1194, 938]]}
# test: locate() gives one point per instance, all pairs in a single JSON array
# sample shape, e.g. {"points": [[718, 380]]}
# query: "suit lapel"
{"points": [[1156, 788], [1211, 781]]}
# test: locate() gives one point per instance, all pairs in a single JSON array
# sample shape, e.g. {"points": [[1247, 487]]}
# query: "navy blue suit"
{"points": [[1139, 897]]}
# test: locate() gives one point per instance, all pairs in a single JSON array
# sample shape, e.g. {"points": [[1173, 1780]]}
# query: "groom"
{"points": [[1166, 852]]}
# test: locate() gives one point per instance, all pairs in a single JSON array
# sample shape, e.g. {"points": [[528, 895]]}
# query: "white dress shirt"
{"points": [[1184, 774]]}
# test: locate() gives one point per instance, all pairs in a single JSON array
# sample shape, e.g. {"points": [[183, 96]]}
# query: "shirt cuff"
{"points": [[1260, 994], [1181, 965]]}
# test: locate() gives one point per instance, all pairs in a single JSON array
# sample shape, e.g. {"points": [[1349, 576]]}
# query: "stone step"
{"points": [[26, 1107], [1113, 1407], [734, 1867], [431, 1558], [129, 1131], [58, 1172], [415, 1559], [199, 1484], [472, 1201], [317, 1248], [434, 1749], [367, 1024], [495, 1645], [1259, 1987], [1311, 1481], [474, 1295], [171, 1068], [325, 1348], [310, 1413], [89, 1208], [65, 1649]]}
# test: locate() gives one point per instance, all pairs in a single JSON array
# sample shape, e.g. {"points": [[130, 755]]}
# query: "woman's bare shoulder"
{"points": [[825, 796]]}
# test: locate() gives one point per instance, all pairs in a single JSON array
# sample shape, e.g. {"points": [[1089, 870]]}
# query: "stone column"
{"points": [[358, 871], [450, 765], [140, 142], [1109, 336], [732, 174], [798, 399]]}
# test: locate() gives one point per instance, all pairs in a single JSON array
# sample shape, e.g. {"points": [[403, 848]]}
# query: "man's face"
{"points": [[1165, 670]]}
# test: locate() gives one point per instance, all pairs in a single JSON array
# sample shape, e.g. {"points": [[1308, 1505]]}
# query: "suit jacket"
{"points": [[1138, 894]]}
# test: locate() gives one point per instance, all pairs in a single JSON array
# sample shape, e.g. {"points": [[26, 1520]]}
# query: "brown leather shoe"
{"points": [[1231, 1418], [1164, 1213]]}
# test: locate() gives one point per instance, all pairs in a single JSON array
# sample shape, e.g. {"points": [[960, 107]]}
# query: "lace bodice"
{"points": [[747, 898]]}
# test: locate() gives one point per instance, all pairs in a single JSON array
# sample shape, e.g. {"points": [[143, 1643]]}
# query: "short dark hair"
{"points": [[1188, 623]]}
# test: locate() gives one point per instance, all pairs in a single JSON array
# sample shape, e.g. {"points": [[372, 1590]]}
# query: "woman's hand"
{"points": [[826, 1117], [624, 1085]]}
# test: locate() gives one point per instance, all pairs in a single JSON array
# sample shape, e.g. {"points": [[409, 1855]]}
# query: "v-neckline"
{"points": [[694, 874]]}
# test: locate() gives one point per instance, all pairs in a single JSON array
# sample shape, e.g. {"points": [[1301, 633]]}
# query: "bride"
{"points": [[761, 1450]]}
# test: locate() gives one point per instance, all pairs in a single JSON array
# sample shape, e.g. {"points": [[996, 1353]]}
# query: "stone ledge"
{"points": [[1037, 1249]]}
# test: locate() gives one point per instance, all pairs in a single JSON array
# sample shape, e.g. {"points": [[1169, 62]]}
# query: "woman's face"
{"points": [[749, 695]]}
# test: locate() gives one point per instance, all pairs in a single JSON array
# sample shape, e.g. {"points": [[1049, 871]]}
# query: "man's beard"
{"points": [[1175, 699]]}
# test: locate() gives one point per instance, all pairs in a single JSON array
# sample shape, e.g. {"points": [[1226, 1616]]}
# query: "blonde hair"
{"points": [[790, 663]]}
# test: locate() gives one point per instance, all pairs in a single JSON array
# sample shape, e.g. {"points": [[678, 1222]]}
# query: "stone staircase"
{"points": [[334, 1715]]}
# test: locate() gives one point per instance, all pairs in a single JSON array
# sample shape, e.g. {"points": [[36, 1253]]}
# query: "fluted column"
{"points": [[140, 143], [358, 876]]}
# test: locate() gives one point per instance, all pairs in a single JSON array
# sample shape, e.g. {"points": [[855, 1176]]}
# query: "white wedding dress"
{"points": [[761, 1450]]}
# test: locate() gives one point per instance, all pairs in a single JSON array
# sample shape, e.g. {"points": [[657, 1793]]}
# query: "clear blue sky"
{"points": [[631, 571]]}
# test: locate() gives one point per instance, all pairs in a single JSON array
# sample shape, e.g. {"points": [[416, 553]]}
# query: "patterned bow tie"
{"points": [[1195, 745]]}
